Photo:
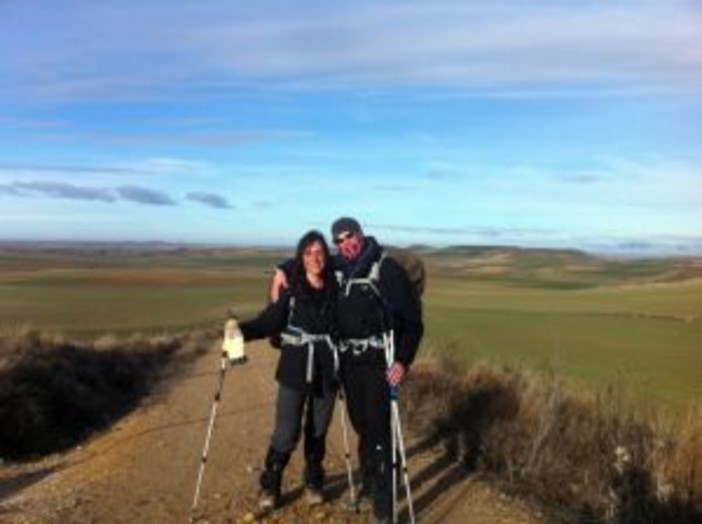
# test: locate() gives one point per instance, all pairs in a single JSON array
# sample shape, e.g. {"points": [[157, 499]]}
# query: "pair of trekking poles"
{"points": [[397, 439], [396, 428]]}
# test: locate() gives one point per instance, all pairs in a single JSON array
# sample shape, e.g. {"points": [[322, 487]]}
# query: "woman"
{"points": [[303, 315]]}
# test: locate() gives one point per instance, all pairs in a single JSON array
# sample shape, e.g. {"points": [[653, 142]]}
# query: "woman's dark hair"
{"points": [[298, 277]]}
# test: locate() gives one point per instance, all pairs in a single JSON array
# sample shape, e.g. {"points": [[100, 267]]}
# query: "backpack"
{"points": [[408, 260], [412, 264], [362, 297]]}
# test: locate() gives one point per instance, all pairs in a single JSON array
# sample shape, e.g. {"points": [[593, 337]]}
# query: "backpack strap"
{"points": [[291, 309], [295, 336], [371, 279]]}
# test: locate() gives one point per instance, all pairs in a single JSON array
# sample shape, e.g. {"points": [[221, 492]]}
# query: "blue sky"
{"points": [[532, 123]]}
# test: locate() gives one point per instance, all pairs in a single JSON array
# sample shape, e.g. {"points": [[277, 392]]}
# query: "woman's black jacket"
{"points": [[312, 311]]}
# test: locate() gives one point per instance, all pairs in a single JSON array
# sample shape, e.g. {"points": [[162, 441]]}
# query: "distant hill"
{"points": [[487, 250], [555, 268], [512, 265]]}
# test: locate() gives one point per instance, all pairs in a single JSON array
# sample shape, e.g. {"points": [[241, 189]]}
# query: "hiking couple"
{"points": [[333, 315]]}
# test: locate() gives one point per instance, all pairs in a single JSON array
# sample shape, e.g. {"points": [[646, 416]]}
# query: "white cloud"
{"points": [[173, 166], [141, 51], [30, 169]]}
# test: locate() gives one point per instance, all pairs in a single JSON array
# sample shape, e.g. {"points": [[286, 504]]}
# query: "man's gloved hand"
{"points": [[233, 344]]}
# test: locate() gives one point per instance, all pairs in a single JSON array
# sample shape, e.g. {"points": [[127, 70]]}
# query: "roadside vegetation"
{"points": [[582, 457], [54, 393]]}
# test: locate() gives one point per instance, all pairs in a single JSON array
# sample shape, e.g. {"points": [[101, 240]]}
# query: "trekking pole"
{"points": [[347, 451], [403, 458], [213, 414], [397, 438], [393, 434], [232, 350]]}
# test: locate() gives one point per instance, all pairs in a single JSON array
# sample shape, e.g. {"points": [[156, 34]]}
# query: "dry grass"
{"points": [[54, 393], [585, 458]]}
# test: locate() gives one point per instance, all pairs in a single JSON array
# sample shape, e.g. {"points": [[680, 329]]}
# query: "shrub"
{"points": [[55, 393], [585, 458]]}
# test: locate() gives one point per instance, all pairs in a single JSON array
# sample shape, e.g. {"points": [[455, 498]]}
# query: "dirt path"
{"points": [[144, 469]]}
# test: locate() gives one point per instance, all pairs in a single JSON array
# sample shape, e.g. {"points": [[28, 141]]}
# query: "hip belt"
{"points": [[294, 336], [358, 346]]}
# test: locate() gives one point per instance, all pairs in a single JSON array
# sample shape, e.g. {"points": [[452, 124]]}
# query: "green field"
{"points": [[86, 293], [637, 323], [649, 339]]}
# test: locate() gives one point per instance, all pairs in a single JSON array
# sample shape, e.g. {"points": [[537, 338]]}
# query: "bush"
{"points": [[55, 393], [584, 458]]}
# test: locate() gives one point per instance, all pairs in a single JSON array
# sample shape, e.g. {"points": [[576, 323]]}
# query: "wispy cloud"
{"points": [[144, 195], [447, 45], [54, 168], [165, 165], [62, 190], [467, 230], [27, 123], [7, 189], [68, 191], [393, 188], [210, 200], [583, 178], [226, 138], [187, 49], [174, 137]]}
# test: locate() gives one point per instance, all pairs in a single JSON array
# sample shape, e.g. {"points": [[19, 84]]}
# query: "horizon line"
{"points": [[626, 250]]}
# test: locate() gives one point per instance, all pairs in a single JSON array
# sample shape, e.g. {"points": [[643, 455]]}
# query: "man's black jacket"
{"points": [[362, 313]]}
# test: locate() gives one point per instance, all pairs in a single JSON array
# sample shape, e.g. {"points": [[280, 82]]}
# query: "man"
{"points": [[375, 298]]}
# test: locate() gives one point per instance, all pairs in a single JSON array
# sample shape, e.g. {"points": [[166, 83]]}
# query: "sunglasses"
{"points": [[343, 237]]}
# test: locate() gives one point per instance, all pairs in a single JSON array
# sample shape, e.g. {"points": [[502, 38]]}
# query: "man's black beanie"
{"points": [[345, 225]]}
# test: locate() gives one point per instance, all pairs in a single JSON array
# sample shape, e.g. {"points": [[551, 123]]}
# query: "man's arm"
{"points": [[280, 279], [278, 283], [406, 311]]}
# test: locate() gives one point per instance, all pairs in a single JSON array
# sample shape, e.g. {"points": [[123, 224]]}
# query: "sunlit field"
{"points": [[628, 323], [648, 337], [83, 294]]}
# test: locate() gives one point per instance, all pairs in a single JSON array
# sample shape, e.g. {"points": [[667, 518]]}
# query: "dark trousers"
{"points": [[368, 400], [290, 408]]}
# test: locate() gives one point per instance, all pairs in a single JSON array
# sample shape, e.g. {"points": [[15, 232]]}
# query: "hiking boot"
{"points": [[271, 478], [268, 500], [313, 496], [314, 472]]}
